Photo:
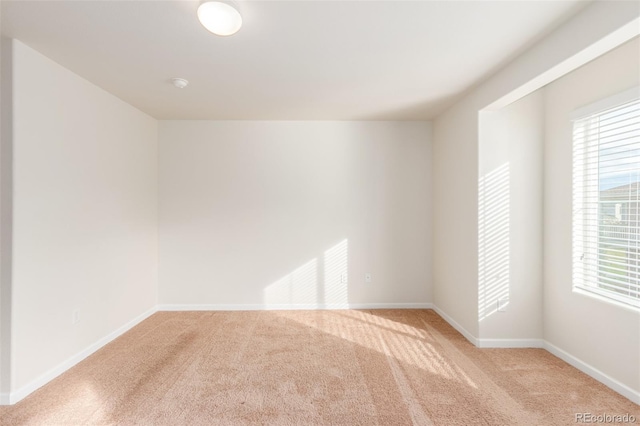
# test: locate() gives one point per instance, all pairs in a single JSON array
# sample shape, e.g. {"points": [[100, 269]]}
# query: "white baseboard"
{"points": [[603, 378], [290, 307], [510, 343], [21, 393], [390, 306], [470, 337], [621, 388]]}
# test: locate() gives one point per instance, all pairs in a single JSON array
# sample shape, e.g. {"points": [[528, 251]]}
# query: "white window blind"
{"points": [[606, 199]]}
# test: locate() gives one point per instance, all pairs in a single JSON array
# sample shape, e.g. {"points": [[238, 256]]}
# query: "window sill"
{"points": [[593, 294]]}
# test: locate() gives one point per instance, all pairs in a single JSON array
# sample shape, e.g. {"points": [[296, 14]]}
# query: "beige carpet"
{"points": [[385, 367]]}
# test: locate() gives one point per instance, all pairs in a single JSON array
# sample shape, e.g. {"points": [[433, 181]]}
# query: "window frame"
{"points": [[577, 223]]}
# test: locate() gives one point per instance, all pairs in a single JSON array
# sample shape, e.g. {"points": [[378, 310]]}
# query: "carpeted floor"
{"points": [[385, 367]]}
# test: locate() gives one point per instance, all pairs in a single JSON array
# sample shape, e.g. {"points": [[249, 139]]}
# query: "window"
{"points": [[606, 198]]}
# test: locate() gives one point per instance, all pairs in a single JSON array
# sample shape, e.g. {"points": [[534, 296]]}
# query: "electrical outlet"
{"points": [[76, 316], [344, 278], [367, 277]]}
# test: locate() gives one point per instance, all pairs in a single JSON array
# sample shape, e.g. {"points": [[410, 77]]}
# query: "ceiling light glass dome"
{"points": [[220, 17]]}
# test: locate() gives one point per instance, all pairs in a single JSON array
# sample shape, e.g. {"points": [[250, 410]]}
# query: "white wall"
{"points": [[590, 33], [85, 214], [510, 220], [599, 333], [6, 185], [272, 214], [455, 216]]}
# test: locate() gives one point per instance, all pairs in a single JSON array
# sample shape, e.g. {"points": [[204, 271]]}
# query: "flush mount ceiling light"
{"points": [[180, 83], [220, 17]]}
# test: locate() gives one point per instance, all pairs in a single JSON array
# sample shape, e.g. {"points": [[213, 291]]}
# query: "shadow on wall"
{"points": [[493, 241], [320, 282]]}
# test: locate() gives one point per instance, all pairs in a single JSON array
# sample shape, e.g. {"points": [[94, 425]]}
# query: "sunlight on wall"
{"points": [[296, 288], [336, 279], [319, 283], [493, 241]]}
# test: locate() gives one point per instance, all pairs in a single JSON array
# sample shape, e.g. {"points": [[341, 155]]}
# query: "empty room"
{"points": [[255, 212]]}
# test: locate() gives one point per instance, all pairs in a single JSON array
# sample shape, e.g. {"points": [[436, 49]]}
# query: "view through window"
{"points": [[606, 199]]}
